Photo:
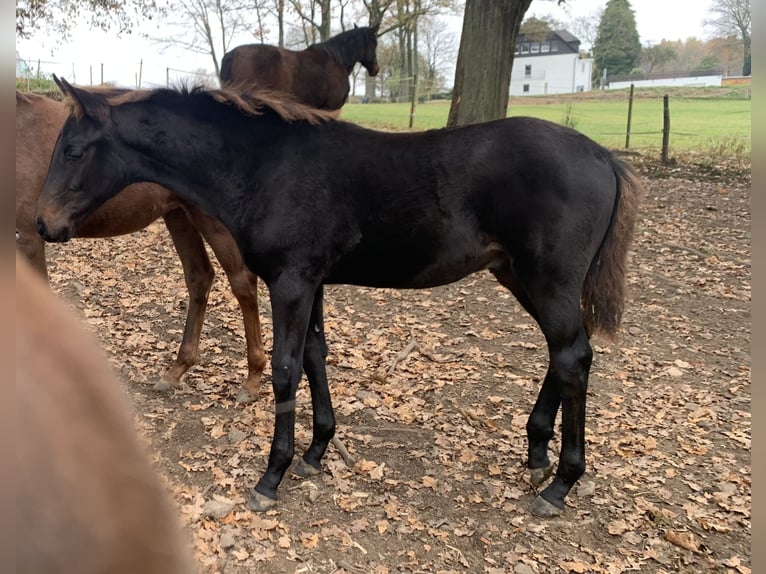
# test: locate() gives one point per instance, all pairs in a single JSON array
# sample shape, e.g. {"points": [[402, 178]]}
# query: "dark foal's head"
{"points": [[85, 168]]}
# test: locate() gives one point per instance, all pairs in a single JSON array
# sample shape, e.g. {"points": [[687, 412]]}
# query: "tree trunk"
{"points": [[369, 87], [746, 64], [485, 59], [281, 22], [324, 24]]}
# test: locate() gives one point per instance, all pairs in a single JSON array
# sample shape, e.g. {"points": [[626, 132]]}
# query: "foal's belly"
{"points": [[415, 268]]}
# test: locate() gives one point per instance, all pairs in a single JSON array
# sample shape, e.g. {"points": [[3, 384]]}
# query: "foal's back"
{"points": [[87, 497]]}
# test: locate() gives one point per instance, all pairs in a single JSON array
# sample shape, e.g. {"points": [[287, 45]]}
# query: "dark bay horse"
{"points": [[312, 201], [88, 499], [316, 76], [38, 122]]}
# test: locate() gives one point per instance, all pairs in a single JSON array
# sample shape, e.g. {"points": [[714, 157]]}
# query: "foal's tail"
{"points": [[603, 293]]}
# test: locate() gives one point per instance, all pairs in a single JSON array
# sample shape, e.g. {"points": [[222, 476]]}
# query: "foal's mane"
{"points": [[247, 99]]}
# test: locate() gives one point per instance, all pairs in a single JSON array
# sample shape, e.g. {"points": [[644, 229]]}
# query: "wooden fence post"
{"points": [[665, 128], [630, 116], [414, 100]]}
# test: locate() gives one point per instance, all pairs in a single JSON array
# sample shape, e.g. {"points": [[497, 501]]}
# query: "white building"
{"points": [[668, 80], [552, 66]]}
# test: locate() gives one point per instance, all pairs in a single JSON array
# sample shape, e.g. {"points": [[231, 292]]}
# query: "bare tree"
{"points": [[732, 18], [438, 50], [210, 26], [657, 56], [316, 17], [586, 27], [59, 15]]}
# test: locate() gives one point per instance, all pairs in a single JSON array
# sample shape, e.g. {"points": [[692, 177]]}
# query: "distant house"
{"points": [[550, 66], [22, 68]]}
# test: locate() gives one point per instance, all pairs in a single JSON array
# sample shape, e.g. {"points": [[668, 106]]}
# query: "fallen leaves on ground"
{"points": [[432, 389]]}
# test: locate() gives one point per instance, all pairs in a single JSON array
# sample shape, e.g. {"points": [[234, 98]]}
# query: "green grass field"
{"points": [[715, 124]]}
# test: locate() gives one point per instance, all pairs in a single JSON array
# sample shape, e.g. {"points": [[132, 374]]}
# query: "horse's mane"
{"points": [[29, 98], [347, 45], [246, 98]]}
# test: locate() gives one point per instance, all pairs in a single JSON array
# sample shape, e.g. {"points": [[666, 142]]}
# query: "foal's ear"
{"points": [[84, 103]]}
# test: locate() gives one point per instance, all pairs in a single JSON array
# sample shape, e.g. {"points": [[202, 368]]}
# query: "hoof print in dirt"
{"points": [[162, 387]]}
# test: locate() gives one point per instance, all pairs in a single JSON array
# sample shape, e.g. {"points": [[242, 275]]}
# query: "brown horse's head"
{"points": [[78, 179], [370, 58]]}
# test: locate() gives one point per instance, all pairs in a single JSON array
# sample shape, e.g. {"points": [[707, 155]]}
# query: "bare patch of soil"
{"points": [[439, 483]]}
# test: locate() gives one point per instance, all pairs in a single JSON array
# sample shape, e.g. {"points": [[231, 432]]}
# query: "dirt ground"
{"points": [[438, 481]]}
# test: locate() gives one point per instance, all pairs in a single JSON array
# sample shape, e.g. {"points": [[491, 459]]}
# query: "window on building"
{"points": [[554, 46], [535, 47], [525, 48], [528, 71], [546, 47], [525, 88]]}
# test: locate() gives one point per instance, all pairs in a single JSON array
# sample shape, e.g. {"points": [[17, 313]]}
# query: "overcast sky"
{"points": [[83, 55]]}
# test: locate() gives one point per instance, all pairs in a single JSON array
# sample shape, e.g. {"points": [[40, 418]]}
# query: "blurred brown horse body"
{"points": [[87, 497], [38, 122], [316, 76]]}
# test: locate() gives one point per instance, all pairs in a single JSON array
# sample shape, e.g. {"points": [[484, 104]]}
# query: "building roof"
{"points": [[568, 43], [566, 36]]}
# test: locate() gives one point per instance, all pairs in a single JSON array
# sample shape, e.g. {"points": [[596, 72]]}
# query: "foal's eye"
{"points": [[73, 152]]}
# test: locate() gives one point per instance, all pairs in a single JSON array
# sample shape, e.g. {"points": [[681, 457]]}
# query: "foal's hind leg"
{"points": [[556, 309], [314, 365], [543, 417], [199, 274], [244, 286]]}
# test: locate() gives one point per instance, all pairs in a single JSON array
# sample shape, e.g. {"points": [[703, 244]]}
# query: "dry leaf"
{"points": [[685, 540]]}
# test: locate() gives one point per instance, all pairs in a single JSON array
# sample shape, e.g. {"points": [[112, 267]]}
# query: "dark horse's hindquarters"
{"points": [[311, 201]]}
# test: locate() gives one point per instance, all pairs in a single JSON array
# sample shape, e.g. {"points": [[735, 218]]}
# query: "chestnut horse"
{"points": [[88, 499], [312, 201], [38, 122], [316, 76]]}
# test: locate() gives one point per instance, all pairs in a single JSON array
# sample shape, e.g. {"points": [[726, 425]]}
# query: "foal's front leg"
{"points": [[291, 303]]}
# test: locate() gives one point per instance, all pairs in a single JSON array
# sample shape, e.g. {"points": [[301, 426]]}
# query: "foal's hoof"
{"points": [[544, 509], [304, 470], [539, 475], [245, 398], [258, 502], [162, 386]]}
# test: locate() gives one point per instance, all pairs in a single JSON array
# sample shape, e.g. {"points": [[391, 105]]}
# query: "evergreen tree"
{"points": [[617, 47]]}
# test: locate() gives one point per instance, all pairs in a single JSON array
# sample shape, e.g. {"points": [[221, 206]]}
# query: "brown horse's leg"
{"points": [[244, 285], [199, 274], [32, 246]]}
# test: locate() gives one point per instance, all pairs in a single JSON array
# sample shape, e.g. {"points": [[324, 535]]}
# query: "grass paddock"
{"points": [[715, 121]]}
